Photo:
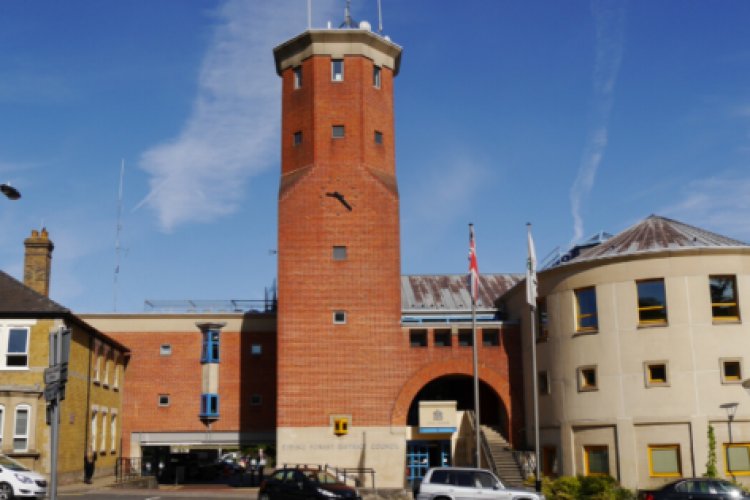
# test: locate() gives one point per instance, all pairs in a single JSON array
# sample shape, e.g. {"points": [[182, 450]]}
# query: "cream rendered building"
{"points": [[636, 359]]}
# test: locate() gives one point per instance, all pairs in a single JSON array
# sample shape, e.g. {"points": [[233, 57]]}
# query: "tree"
{"points": [[711, 464]]}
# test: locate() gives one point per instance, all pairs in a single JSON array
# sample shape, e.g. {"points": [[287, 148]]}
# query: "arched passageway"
{"points": [[460, 388]]}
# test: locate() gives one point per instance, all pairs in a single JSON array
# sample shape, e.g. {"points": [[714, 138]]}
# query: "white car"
{"points": [[16, 481], [459, 483]]}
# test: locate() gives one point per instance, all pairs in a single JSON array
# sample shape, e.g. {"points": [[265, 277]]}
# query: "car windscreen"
{"points": [[723, 487], [11, 464], [319, 477]]}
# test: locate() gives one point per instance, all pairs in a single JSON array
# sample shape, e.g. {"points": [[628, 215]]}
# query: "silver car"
{"points": [[458, 483]]}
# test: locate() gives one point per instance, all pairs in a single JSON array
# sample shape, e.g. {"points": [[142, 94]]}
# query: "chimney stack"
{"points": [[38, 262]]}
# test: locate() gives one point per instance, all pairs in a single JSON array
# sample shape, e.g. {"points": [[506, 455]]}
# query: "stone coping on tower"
{"points": [[338, 43]]}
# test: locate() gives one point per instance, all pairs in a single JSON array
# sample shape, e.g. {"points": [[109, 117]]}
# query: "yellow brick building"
{"points": [[91, 412]]}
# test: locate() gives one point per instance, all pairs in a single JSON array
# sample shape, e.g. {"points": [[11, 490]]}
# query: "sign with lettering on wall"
{"points": [[437, 417]]}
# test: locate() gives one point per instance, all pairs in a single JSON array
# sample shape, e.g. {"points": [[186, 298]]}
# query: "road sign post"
{"points": [[55, 378]]}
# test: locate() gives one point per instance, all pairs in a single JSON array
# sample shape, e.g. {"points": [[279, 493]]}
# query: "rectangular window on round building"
{"points": [[731, 370], [337, 70], [418, 338], [549, 461], [379, 138], [597, 460], [724, 298], [165, 350], [338, 132], [339, 317], [652, 302], [587, 319], [541, 318], [588, 379], [737, 461], [543, 383], [297, 138], [656, 373], [163, 400], [376, 77], [664, 461], [298, 77]]}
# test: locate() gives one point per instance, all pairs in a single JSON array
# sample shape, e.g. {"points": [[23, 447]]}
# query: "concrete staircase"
{"points": [[507, 468]]}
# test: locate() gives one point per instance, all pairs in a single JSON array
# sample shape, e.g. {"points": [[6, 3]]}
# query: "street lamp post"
{"points": [[731, 409]]}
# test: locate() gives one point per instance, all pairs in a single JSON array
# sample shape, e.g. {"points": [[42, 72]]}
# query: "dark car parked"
{"points": [[696, 489], [304, 484]]}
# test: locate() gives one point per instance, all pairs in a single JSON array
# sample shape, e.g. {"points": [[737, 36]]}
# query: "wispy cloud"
{"points": [[719, 203], [609, 20], [232, 132]]}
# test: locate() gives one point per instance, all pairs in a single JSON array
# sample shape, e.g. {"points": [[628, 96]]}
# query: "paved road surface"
{"points": [[154, 495]]}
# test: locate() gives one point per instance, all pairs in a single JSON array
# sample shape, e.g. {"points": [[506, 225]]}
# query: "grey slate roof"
{"points": [[657, 233], [15, 297], [450, 292]]}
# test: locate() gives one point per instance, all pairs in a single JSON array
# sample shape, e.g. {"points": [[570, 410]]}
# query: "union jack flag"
{"points": [[473, 270]]}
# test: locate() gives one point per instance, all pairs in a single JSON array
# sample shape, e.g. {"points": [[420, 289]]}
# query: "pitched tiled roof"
{"points": [[658, 233], [449, 292], [15, 297]]}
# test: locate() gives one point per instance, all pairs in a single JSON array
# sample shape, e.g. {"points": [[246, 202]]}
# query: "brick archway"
{"points": [[499, 384]]}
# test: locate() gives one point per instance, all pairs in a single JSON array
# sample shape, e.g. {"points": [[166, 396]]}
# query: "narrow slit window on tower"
{"points": [[337, 131], [339, 253], [376, 76], [337, 70], [339, 317], [297, 138], [298, 77], [378, 137]]}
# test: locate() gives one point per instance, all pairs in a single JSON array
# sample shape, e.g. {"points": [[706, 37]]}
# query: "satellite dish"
{"points": [[364, 25]]}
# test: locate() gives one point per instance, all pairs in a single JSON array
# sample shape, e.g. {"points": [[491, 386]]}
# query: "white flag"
{"points": [[531, 272]]}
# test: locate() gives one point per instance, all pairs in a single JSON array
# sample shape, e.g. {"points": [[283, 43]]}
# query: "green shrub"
{"points": [[585, 488], [711, 464]]}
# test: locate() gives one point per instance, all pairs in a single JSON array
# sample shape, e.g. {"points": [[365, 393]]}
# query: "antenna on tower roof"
{"points": [[118, 249], [348, 22], [309, 14], [380, 20]]}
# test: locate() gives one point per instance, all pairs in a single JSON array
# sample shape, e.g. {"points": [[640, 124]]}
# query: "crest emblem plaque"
{"points": [[437, 416]]}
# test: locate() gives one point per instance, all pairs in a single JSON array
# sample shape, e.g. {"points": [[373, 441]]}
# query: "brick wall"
{"points": [[179, 376]]}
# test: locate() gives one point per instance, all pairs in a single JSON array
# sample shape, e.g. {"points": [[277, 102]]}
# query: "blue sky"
{"points": [[574, 116]]}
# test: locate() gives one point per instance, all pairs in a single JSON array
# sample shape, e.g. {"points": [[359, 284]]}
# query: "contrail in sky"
{"points": [[609, 20], [232, 132]]}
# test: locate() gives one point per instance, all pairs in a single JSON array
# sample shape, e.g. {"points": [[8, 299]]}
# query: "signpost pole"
{"points": [[56, 347]]}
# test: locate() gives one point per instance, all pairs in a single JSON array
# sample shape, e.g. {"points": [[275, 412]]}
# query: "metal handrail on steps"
{"points": [[485, 445]]}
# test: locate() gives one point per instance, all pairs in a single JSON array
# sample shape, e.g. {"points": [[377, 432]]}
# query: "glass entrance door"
{"points": [[421, 455]]}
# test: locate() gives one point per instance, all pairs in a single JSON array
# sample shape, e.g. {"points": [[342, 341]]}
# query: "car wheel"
{"points": [[264, 496], [6, 491]]}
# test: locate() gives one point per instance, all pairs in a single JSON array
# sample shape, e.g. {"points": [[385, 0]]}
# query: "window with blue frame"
{"points": [[209, 405], [210, 351]]}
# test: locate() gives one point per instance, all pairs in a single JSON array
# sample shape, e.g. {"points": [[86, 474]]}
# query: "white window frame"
{"points": [[165, 350], [5, 327], [94, 412], [97, 364], [2, 424], [169, 400], [4, 346], [116, 369], [336, 322], [103, 441], [113, 430], [105, 381], [333, 74], [29, 422]]}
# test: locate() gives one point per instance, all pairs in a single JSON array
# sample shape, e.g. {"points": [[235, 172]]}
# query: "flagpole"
{"points": [[535, 377], [476, 376], [476, 370]]}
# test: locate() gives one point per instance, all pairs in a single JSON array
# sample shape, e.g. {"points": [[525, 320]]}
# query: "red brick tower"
{"points": [[339, 244]]}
